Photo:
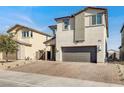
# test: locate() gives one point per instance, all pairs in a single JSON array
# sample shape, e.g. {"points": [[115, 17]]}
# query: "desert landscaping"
{"points": [[108, 73], [54, 73]]}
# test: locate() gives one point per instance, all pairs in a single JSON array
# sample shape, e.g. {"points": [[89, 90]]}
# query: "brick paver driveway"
{"points": [[85, 71]]}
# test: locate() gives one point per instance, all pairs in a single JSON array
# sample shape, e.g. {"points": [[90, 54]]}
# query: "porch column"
{"points": [[45, 55]]}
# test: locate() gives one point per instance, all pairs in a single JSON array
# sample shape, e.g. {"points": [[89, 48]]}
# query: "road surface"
{"points": [[21, 79]]}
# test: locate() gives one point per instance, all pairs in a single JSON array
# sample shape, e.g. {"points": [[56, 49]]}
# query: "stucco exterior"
{"points": [[36, 44], [94, 35], [32, 45], [1, 56]]}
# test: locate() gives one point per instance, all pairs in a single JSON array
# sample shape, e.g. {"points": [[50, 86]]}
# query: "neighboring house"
{"points": [[113, 55], [122, 45], [30, 43], [81, 37]]}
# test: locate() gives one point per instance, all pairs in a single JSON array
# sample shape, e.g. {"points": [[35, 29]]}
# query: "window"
{"points": [[27, 34], [22, 34], [31, 34], [66, 24], [94, 20], [97, 19]]}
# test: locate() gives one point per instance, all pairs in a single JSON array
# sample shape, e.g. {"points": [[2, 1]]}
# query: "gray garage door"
{"points": [[80, 54]]}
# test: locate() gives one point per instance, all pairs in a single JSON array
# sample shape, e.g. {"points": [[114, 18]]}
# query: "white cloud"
{"points": [[24, 18]]}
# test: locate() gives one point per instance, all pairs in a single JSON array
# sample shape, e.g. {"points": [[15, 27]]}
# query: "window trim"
{"points": [[96, 21], [27, 34], [31, 34], [101, 18], [64, 25]]}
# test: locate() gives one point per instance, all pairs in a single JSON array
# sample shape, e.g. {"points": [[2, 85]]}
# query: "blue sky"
{"points": [[41, 17]]}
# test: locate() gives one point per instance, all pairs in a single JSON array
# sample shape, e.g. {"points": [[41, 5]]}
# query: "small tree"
{"points": [[7, 45]]}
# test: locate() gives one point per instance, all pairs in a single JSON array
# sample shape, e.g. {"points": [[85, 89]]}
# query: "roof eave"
{"points": [[21, 26], [52, 27], [49, 40], [56, 19]]}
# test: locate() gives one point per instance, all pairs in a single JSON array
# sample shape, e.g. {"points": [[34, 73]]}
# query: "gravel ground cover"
{"points": [[85, 71]]}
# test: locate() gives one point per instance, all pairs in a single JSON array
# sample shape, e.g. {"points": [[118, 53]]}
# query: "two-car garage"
{"points": [[80, 54]]}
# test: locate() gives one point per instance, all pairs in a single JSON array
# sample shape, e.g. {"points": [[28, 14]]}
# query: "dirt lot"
{"points": [[85, 71]]}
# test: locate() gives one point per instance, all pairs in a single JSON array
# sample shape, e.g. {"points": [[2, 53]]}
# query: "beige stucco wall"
{"points": [[92, 35], [0, 56], [30, 51]]}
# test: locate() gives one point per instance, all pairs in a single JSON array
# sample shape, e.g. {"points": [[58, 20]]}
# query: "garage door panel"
{"points": [[80, 54], [76, 57], [78, 49]]}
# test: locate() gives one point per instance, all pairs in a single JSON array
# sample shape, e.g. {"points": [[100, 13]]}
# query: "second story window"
{"points": [[26, 34], [23, 34], [94, 20], [66, 24], [31, 34], [97, 19]]}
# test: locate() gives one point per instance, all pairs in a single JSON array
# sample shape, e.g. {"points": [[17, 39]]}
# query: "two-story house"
{"points": [[30, 44], [81, 37]]}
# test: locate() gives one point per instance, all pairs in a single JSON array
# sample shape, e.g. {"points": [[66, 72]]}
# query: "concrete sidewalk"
{"points": [[19, 79]]}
